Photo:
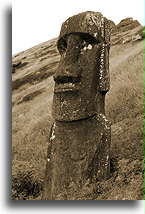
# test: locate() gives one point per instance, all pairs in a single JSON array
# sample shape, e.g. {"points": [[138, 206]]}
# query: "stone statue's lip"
{"points": [[64, 87]]}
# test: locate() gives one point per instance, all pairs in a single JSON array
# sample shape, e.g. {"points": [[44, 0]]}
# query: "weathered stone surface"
{"points": [[128, 24], [128, 30], [82, 78], [78, 151], [92, 23], [112, 28], [79, 141]]}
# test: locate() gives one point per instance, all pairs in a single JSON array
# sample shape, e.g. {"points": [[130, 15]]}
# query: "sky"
{"points": [[34, 22]]}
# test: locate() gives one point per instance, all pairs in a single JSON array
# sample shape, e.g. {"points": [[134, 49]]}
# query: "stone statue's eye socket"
{"points": [[88, 39], [62, 45]]}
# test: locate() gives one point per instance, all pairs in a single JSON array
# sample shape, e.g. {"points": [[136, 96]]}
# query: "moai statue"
{"points": [[79, 141]]}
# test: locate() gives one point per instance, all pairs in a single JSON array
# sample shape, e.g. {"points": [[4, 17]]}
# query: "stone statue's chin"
{"points": [[71, 106]]}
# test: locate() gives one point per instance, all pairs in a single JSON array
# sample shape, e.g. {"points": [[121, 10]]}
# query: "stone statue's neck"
{"points": [[80, 120]]}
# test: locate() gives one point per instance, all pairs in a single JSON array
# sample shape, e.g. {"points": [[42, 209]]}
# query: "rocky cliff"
{"points": [[32, 85]]}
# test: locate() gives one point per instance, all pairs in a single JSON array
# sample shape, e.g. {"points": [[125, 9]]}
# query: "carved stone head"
{"points": [[82, 78]]}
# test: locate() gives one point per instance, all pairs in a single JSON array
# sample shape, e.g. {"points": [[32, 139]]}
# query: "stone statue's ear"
{"points": [[104, 80]]}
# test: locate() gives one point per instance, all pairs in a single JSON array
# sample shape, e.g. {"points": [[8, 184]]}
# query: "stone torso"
{"points": [[80, 151]]}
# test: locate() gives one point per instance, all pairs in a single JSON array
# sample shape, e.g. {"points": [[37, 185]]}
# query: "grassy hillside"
{"points": [[31, 113]]}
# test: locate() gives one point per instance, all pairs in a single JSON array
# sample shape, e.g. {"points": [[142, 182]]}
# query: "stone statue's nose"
{"points": [[70, 75], [68, 70]]}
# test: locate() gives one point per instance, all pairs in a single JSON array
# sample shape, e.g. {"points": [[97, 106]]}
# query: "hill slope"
{"points": [[32, 100]]}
